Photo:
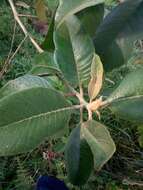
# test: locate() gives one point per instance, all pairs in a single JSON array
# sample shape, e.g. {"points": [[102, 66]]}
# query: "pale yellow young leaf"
{"points": [[95, 83]]}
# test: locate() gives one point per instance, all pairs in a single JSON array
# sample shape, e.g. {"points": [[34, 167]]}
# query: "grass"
{"points": [[123, 172]]}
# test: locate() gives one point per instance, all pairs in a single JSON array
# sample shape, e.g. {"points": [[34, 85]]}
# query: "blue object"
{"points": [[46, 182]]}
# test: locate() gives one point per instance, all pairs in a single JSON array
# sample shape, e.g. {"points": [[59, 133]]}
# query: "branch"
{"points": [[6, 64], [72, 90], [23, 27], [26, 15], [81, 102], [12, 42], [8, 61]]}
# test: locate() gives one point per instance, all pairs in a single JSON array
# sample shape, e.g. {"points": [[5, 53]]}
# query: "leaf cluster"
{"points": [[32, 110]]}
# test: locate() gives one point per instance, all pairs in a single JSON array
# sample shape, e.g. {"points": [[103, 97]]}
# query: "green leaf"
{"points": [[134, 27], [59, 147], [44, 64], [100, 142], [42, 70], [23, 83], [127, 99], [114, 23], [129, 87], [72, 54], [95, 83], [118, 53], [48, 43], [122, 26], [70, 7], [130, 109], [46, 59], [91, 17], [30, 116], [79, 158]]}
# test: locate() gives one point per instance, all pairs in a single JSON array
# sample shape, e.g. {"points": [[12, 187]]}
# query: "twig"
{"points": [[70, 95], [7, 63], [26, 15], [110, 81], [22, 4], [17, 49], [12, 42], [132, 183], [72, 90], [81, 109], [23, 27]]}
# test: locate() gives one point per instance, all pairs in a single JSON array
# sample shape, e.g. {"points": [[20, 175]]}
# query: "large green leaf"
{"points": [[122, 25], [91, 17], [127, 99], [70, 7], [115, 22], [79, 158], [29, 116], [100, 142], [23, 83], [72, 54]]}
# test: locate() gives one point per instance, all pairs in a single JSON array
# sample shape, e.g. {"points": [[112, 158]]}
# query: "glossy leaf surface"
{"points": [[72, 54], [127, 99], [100, 142]]}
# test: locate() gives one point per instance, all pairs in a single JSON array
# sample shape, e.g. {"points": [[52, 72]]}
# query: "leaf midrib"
{"points": [[41, 115], [95, 139], [123, 99], [73, 53]]}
